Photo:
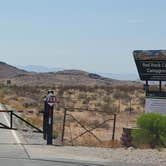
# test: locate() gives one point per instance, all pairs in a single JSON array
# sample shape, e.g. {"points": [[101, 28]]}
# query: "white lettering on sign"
{"points": [[155, 65], [157, 71], [146, 64]]}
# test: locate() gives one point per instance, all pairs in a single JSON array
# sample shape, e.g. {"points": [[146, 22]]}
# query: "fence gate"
{"points": [[84, 127]]}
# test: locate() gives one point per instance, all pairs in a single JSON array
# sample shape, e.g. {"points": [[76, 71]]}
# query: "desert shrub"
{"points": [[28, 104], [105, 126], [141, 137], [129, 109], [109, 108], [152, 130], [94, 123], [117, 95], [85, 102], [142, 100], [5, 90]]}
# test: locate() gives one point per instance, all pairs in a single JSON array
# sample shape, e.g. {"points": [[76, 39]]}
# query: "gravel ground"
{"points": [[130, 155], [145, 156], [121, 155]]}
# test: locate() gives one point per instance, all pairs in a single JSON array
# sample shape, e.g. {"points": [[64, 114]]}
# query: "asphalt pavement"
{"points": [[14, 151]]}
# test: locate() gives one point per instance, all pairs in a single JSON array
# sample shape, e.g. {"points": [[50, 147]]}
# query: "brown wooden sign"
{"points": [[151, 64]]}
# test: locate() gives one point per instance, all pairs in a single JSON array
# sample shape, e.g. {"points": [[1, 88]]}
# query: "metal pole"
{"points": [[45, 115], [50, 126], [64, 124], [147, 88], [160, 86], [130, 105], [119, 105], [114, 125]]}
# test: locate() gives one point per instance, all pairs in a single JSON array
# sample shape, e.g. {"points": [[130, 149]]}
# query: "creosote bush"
{"points": [[152, 130]]}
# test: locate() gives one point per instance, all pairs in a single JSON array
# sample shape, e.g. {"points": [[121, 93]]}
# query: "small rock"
{"points": [[130, 149]]}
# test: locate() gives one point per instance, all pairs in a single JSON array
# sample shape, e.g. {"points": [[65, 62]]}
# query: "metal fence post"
{"points": [[64, 124], [11, 119], [114, 125]]}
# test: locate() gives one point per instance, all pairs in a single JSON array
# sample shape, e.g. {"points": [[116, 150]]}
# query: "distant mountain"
{"points": [[8, 71], [39, 69], [132, 77], [44, 69], [60, 78]]}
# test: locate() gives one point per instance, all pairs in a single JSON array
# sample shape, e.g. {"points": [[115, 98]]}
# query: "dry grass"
{"points": [[104, 134], [100, 102]]}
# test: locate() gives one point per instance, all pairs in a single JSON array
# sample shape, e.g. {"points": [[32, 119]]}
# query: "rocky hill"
{"points": [[61, 78], [8, 71]]}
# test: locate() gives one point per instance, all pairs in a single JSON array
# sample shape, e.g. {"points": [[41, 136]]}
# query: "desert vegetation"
{"points": [[151, 131], [91, 106]]}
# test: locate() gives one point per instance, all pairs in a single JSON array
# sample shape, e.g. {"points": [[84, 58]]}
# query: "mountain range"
{"points": [[39, 69], [59, 78], [44, 69]]}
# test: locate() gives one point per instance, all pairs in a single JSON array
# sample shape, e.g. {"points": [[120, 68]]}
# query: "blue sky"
{"points": [[92, 35]]}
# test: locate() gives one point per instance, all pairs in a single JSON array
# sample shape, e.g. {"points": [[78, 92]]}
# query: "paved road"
{"points": [[13, 151]]}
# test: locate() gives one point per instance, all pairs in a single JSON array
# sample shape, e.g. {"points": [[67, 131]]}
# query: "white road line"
{"points": [[13, 132]]}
